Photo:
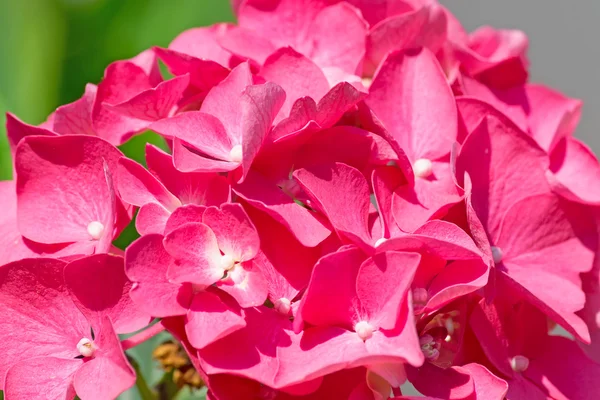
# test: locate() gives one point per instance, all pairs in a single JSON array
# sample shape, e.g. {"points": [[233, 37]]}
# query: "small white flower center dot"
{"points": [[519, 363], [227, 262], [95, 229], [236, 154], [367, 82], [364, 330], [283, 306], [379, 242], [497, 254], [86, 347], [423, 168]]}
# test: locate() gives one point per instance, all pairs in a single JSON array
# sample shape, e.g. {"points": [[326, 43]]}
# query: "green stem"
{"points": [[140, 382]]}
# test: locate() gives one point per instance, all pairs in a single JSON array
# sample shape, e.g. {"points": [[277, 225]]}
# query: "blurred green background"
{"points": [[49, 49]]}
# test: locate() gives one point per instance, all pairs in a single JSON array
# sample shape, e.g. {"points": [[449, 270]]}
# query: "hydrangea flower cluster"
{"points": [[357, 194]]}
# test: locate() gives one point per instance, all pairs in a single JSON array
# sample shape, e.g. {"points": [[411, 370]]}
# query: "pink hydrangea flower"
{"points": [[356, 195]]}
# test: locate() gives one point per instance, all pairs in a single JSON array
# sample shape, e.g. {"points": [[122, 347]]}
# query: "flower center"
{"points": [[430, 347], [364, 330], [86, 347], [236, 154], [283, 306], [95, 229], [519, 363], [423, 168], [379, 242], [497, 254], [227, 262]]}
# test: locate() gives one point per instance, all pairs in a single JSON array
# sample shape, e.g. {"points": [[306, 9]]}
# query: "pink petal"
{"points": [[210, 318], [340, 99], [108, 374], [286, 22], [156, 103], [15, 246], [122, 80], [328, 300], [99, 288], [246, 284], [234, 231], [564, 371], [285, 263], [186, 160], [424, 27], [439, 238], [512, 102], [146, 264], [247, 44], [190, 188], [574, 171], [457, 279], [17, 130], [48, 375], [76, 118], [382, 284], [183, 215], [415, 80], [32, 293], [152, 218], [260, 105], [222, 101], [496, 57], [196, 255], [204, 74], [353, 146], [297, 75], [266, 196], [204, 132], [139, 187], [552, 115], [333, 22], [487, 385], [452, 383], [429, 198], [49, 167], [385, 180], [324, 183], [251, 352], [504, 165], [202, 43]]}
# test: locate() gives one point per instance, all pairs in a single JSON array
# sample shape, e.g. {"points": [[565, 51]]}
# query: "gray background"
{"points": [[564, 46]]}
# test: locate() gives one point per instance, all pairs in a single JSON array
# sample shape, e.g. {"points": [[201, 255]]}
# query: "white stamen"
{"points": [[227, 262], [236, 153], [283, 306], [367, 82], [86, 347], [379, 242], [95, 229], [449, 325], [423, 168], [364, 330], [519, 363], [497, 254]]}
